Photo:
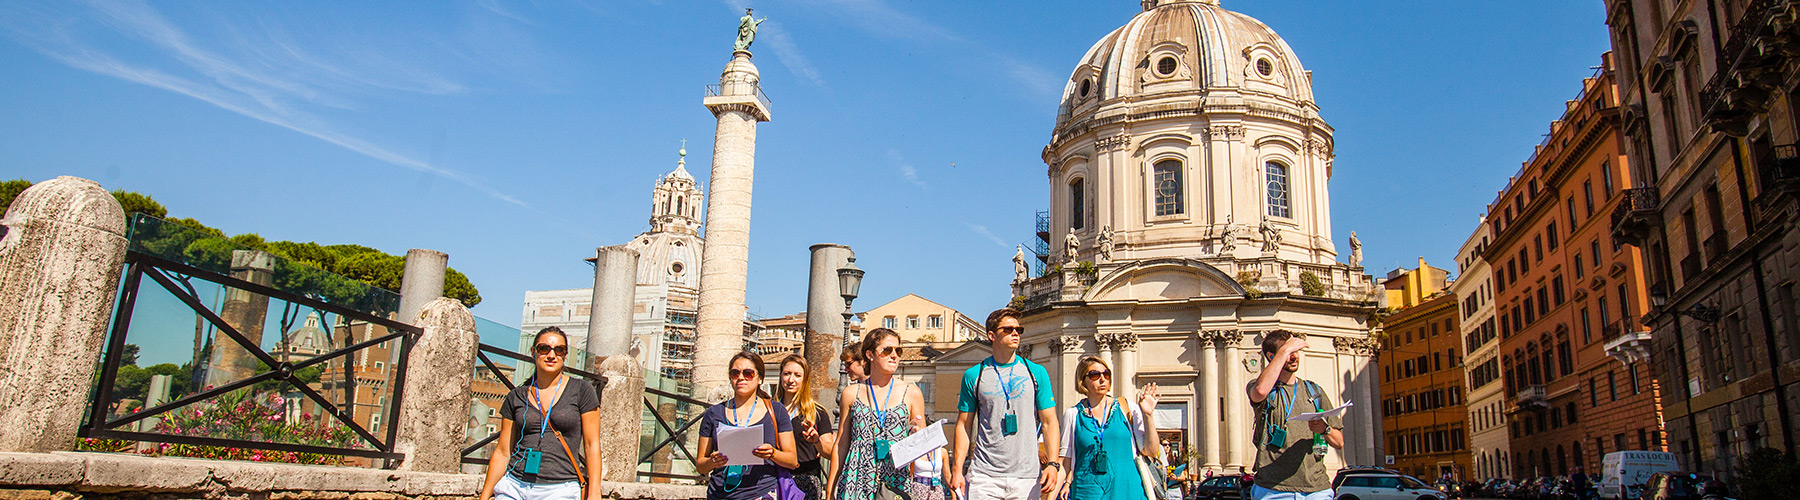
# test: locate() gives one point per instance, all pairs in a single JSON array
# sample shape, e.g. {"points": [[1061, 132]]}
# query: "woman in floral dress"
{"points": [[878, 412]]}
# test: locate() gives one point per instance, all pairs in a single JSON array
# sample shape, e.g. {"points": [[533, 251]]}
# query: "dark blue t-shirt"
{"points": [[758, 480]]}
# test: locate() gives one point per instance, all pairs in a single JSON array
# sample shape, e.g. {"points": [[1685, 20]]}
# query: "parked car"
{"points": [[1675, 486], [1227, 487], [1338, 480], [1384, 486]]}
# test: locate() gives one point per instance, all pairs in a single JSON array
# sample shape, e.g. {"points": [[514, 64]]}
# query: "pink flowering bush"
{"points": [[243, 415]]}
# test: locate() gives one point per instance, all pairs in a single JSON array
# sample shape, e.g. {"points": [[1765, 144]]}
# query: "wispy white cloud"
{"points": [[906, 169], [274, 83], [882, 19], [985, 233]]}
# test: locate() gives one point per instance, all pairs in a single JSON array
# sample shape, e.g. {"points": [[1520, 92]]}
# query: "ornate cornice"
{"points": [[1363, 346], [1125, 341], [1113, 143], [1221, 337], [1069, 344], [1224, 132]]}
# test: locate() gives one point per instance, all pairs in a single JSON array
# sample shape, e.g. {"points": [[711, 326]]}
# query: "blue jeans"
{"points": [[1261, 493]]}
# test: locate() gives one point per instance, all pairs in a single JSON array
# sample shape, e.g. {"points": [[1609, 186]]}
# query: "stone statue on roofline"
{"points": [[1227, 236], [1355, 250], [1020, 270], [747, 31], [1105, 242], [1271, 236], [1071, 246]]}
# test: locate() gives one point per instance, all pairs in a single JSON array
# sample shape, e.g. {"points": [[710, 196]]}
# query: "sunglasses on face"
{"points": [[744, 373], [888, 351], [1096, 374], [1009, 330], [545, 349]]}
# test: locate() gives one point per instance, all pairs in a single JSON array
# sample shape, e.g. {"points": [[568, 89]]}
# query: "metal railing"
{"points": [[1635, 213], [718, 90], [173, 256]]}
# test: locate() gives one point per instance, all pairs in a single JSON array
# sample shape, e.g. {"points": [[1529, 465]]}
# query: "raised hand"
{"points": [[1147, 399]]}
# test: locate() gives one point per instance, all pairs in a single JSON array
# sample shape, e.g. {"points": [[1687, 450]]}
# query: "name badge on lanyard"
{"points": [[534, 459]]}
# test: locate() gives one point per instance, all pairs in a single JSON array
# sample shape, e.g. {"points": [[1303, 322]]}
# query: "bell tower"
{"points": [[675, 203]]}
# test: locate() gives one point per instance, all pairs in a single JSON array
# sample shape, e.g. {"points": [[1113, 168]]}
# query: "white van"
{"points": [[1622, 473]]}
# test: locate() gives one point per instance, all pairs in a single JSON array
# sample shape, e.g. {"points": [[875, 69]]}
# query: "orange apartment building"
{"points": [[1565, 292], [1424, 414]]}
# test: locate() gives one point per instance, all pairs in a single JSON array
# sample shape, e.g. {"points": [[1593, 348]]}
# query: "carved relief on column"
{"points": [[1221, 337], [1359, 346], [1125, 341], [1226, 132]]}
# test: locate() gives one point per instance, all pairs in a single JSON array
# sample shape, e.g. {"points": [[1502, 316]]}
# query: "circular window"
{"points": [[1087, 86], [1265, 68], [1166, 66], [675, 268]]}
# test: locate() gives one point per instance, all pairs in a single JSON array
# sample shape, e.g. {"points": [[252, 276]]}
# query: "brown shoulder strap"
{"points": [[573, 460]]}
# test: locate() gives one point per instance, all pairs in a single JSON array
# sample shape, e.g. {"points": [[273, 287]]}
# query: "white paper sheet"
{"points": [[737, 442], [1334, 412], [918, 444]]}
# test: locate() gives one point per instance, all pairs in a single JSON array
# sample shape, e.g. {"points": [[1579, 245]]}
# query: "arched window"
{"points": [[1078, 203], [1277, 175], [679, 209], [1167, 185]]}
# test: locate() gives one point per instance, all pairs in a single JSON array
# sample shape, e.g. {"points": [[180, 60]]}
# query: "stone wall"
{"points": [[67, 475]]}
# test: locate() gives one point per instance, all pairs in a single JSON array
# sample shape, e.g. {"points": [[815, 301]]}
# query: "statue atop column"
{"points": [[1020, 270], [1105, 242], [747, 31], [1355, 250], [1227, 236]]}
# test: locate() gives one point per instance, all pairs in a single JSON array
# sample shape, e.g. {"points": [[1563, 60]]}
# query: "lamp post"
{"points": [[849, 282]]}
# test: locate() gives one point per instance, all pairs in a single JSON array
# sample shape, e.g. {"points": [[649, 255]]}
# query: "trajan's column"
{"points": [[738, 103]]}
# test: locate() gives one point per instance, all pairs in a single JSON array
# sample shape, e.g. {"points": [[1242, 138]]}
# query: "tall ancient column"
{"points": [[825, 317], [245, 311], [737, 102], [615, 293], [1209, 401]]}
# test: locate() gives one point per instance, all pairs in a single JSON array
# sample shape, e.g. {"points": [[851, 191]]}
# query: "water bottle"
{"points": [[1319, 445]]}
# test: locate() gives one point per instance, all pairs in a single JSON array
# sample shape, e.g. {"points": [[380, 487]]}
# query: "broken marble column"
{"points": [[622, 415], [615, 292], [62, 245], [434, 405], [246, 312], [825, 318]]}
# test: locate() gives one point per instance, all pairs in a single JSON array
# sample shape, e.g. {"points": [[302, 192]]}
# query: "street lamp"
{"points": [[1698, 312], [849, 282]]}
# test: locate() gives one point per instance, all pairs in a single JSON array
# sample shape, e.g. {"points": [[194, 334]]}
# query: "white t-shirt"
{"points": [[1132, 413], [930, 466]]}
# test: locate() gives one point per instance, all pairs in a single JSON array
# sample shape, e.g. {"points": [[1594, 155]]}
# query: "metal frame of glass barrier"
{"points": [[139, 265], [599, 382]]}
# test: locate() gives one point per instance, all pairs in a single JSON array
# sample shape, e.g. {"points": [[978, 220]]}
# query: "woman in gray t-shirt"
{"points": [[532, 457]]}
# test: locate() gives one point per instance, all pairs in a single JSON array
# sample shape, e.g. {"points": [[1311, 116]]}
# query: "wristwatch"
{"points": [[1057, 465]]}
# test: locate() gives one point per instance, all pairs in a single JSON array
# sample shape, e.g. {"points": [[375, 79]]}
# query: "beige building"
{"points": [[1190, 213], [918, 319], [1474, 290]]}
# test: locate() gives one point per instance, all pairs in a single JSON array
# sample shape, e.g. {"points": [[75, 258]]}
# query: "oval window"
{"points": [[1265, 68], [1166, 66], [1087, 86], [675, 268]]}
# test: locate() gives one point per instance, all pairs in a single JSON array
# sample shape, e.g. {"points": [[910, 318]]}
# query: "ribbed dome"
{"points": [[1191, 47]]}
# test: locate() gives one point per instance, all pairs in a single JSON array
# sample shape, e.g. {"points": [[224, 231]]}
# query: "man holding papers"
{"points": [[1290, 451]]}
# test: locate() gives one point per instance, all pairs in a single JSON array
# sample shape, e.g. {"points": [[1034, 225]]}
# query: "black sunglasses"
{"points": [[745, 373], [1096, 374], [1009, 329], [542, 349]]}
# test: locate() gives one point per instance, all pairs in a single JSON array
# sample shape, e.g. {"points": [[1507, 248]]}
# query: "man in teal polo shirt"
{"points": [[1004, 403]]}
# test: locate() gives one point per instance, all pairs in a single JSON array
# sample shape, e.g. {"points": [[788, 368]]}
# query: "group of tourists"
{"points": [[1009, 440]]}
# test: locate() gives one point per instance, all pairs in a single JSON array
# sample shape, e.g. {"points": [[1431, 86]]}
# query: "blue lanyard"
{"points": [[754, 401], [1102, 425], [881, 410], [541, 408], [1004, 393]]}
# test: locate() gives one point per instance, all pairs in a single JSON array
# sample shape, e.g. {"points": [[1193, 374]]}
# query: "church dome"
{"points": [[1183, 48]]}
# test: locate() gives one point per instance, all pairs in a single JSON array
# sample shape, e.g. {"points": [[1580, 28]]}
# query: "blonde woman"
{"points": [[1102, 435], [813, 432]]}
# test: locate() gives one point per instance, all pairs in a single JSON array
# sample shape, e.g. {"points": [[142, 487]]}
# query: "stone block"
{"points": [[434, 408], [106, 472], [40, 469]]}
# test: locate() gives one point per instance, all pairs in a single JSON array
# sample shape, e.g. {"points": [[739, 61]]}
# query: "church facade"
{"points": [[1190, 213]]}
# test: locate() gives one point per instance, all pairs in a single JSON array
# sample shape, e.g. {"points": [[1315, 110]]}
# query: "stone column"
{"points": [[61, 247], [825, 318], [738, 105], [1069, 347], [434, 405], [622, 415], [615, 293], [421, 282], [1237, 403], [246, 312], [1125, 371], [1208, 394]]}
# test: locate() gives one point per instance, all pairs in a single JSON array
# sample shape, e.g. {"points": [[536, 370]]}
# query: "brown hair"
{"points": [[1081, 368], [993, 321], [872, 339], [1273, 340], [804, 406], [755, 360], [549, 330], [852, 353]]}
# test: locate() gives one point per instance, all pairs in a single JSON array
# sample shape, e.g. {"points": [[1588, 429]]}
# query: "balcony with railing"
{"points": [[1749, 66], [1534, 396], [1636, 215], [1715, 247]]}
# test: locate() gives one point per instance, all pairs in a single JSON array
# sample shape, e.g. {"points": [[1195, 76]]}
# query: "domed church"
{"points": [[1190, 213]]}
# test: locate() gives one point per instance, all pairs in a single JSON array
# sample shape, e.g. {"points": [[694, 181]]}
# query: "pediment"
{"points": [[1163, 279]]}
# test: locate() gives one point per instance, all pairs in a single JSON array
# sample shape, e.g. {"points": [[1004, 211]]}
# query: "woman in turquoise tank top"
{"points": [[1102, 435]]}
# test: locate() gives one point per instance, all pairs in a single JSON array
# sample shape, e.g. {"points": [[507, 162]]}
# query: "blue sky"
{"points": [[518, 136]]}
